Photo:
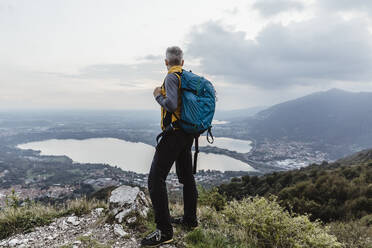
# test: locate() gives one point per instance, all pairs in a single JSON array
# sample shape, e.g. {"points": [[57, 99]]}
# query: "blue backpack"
{"points": [[198, 103], [198, 107]]}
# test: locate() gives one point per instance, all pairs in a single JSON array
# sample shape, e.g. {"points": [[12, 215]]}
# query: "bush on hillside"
{"points": [[326, 192], [211, 198], [353, 234], [258, 222]]}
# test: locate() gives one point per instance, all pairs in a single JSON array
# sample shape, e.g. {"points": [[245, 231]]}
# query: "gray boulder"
{"points": [[126, 202], [119, 231]]}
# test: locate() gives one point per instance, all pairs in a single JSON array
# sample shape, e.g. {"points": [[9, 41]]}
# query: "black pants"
{"points": [[173, 147]]}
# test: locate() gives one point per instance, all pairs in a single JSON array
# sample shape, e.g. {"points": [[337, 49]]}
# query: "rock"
{"points": [[69, 229], [98, 211], [124, 195], [107, 227], [131, 220], [63, 225], [119, 231], [14, 242], [128, 201], [122, 215], [87, 234], [73, 220]]}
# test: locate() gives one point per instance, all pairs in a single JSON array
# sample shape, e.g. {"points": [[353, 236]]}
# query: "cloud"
{"points": [[273, 7], [126, 74], [304, 53], [93, 89], [347, 5], [6, 7], [233, 11], [152, 57]]}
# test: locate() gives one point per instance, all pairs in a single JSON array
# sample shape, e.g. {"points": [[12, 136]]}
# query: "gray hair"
{"points": [[174, 55]]}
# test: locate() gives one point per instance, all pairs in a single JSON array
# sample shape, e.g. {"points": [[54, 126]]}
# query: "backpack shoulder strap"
{"points": [[178, 74], [196, 154]]}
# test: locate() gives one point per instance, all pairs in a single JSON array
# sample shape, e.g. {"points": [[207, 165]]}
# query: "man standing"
{"points": [[175, 146]]}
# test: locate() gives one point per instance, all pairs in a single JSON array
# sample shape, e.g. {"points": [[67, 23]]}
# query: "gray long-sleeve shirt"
{"points": [[170, 101]]}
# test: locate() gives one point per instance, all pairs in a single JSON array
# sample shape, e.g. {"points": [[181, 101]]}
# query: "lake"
{"points": [[129, 156], [240, 146]]}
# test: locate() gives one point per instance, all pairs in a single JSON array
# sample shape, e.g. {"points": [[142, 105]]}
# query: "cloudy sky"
{"points": [[109, 54]]}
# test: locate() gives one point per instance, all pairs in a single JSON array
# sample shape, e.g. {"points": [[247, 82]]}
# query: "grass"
{"points": [[252, 222], [20, 219], [82, 206], [200, 238]]}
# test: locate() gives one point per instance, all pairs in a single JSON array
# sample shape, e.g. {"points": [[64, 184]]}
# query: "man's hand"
{"points": [[157, 91]]}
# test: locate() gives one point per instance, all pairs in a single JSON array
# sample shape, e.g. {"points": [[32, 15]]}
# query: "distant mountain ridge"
{"points": [[333, 117], [228, 115]]}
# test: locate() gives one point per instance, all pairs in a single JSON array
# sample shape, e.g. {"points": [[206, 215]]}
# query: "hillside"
{"points": [[338, 191], [251, 222], [357, 158], [336, 121]]}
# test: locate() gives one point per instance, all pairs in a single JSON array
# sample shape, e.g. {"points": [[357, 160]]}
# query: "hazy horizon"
{"points": [[155, 108]]}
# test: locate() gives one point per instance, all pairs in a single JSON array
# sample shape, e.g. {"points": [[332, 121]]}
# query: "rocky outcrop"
{"points": [[128, 204], [75, 231]]}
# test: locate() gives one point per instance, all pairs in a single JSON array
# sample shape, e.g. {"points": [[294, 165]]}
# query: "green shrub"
{"points": [[259, 222], [12, 200], [353, 234], [367, 220], [211, 198]]}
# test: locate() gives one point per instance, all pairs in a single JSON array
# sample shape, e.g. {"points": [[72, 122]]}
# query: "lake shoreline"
{"points": [[89, 150]]}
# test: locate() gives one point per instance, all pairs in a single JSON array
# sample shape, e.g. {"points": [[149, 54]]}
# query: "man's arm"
{"points": [[170, 101]]}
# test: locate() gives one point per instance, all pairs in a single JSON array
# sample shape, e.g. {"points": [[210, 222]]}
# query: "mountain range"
{"points": [[335, 118]]}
